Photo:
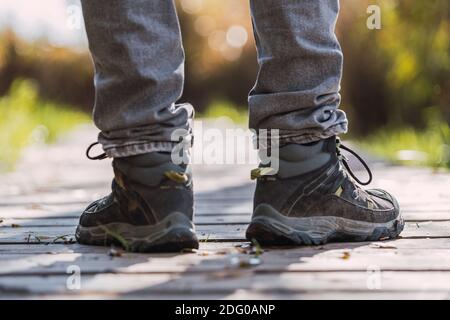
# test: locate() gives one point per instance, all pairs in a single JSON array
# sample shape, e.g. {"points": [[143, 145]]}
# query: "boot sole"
{"points": [[271, 228], [173, 234]]}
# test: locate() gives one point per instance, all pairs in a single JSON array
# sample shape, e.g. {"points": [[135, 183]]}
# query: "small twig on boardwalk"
{"points": [[28, 238], [64, 238], [206, 239]]}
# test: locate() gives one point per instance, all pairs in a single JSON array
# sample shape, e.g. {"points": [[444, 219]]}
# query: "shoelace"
{"points": [[263, 171], [179, 177], [344, 161], [257, 172], [99, 157]]}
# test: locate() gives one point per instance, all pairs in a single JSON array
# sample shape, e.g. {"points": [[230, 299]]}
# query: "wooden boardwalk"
{"points": [[40, 204]]}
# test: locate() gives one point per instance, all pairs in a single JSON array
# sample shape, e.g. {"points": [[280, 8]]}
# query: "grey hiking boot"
{"points": [[150, 208], [314, 199]]}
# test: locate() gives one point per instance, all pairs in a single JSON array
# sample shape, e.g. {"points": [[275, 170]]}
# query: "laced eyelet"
{"points": [[345, 160]]}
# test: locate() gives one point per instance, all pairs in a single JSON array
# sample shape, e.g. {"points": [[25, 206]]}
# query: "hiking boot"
{"points": [[150, 208], [314, 199]]}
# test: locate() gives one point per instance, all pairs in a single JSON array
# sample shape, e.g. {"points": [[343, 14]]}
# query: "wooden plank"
{"points": [[423, 216], [56, 222], [40, 211], [225, 205], [86, 190], [397, 244], [224, 232], [62, 202], [199, 219], [350, 257], [83, 197], [242, 210], [218, 284], [80, 188], [48, 234], [27, 249], [74, 210]]}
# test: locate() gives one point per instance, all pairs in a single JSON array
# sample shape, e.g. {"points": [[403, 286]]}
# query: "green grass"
{"points": [[26, 119], [225, 109], [429, 147]]}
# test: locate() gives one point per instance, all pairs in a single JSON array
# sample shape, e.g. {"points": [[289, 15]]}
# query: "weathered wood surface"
{"points": [[206, 232], [41, 201]]}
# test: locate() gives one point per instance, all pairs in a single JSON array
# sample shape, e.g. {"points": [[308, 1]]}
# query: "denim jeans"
{"points": [[139, 72]]}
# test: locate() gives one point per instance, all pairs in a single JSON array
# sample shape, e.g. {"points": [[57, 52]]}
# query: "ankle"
{"points": [[149, 169]]}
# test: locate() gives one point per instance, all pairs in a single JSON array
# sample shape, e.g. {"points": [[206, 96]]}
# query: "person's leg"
{"points": [[139, 73], [139, 61], [300, 67], [311, 199]]}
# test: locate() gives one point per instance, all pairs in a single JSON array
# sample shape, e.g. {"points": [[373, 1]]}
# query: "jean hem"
{"points": [[303, 136], [138, 148]]}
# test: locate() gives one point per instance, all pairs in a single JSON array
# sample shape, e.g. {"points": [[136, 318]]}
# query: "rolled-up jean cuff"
{"points": [[308, 135], [128, 150], [311, 135]]}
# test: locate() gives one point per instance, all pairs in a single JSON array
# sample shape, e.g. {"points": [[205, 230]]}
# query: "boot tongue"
{"points": [[148, 159], [300, 152], [298, 159], [151, 168]]}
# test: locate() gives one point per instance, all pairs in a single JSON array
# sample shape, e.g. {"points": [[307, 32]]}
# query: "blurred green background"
{"points": [[396, 85]]}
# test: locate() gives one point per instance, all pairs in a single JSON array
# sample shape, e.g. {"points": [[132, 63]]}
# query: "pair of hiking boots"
{"points": [[312, 199]]}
